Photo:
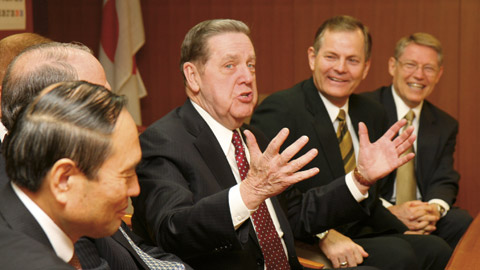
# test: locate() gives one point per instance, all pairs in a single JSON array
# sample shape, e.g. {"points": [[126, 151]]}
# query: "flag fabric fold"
{"points": [[121, 38]]}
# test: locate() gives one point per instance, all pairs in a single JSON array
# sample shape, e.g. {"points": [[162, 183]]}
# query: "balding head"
{"points": [[12, 45], [43, 65]]}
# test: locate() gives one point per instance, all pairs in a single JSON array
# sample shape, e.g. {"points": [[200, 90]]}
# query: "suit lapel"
{"points": [[3, 173], [386, 98], [212, 155], [324, 129], [208, 146], [357, 115], [19, 218], [428, 136], [120, 238]]}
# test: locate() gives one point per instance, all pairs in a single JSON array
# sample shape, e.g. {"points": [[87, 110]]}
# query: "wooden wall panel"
{"points": [[282, 30], [468, 144]]}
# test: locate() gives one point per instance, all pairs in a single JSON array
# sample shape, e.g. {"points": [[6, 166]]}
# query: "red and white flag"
{"points": [[122, 37]]}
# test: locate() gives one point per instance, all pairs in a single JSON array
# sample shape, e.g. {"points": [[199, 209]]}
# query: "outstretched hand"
{"points": [[271, 172], [376, 160]]}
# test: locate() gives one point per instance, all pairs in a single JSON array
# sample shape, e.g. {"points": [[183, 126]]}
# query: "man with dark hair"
{"points": [[208, 192], [33, 69], [423, 200], [52, 191], [325, 109]]}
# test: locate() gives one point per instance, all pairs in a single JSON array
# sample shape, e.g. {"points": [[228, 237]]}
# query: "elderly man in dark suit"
{"points": [[427, 208], [35, 68], [208, 192], [325, 109]]}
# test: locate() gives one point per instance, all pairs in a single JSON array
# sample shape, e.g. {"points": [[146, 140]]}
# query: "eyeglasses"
{"points": [[410, 67]]}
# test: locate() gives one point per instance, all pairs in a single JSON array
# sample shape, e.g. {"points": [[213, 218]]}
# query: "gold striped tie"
{"points": [[345, 143], [406, 183]]}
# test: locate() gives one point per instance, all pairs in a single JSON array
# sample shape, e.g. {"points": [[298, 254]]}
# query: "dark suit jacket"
{"points": [[18, 251], [115, 250], [303, 112], [3, 172], [436, 177], [185, 178]]}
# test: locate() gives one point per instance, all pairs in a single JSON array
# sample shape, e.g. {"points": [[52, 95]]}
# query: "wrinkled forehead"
{"points": [[228, 43]]}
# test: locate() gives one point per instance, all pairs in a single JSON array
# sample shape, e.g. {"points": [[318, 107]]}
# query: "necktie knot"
{"points": [[236, 140], [409, 116], [341, 116]]}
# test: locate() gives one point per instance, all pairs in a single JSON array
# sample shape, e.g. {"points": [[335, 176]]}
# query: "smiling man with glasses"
{"points": [[423, 200]]}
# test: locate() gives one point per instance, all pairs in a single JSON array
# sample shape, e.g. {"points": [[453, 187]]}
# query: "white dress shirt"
{"points": [[3, 131], [61, 243]]}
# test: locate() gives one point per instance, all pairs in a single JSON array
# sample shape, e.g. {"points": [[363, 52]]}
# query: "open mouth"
{"points": [[336, 79], [246, 97], [416, 85]]}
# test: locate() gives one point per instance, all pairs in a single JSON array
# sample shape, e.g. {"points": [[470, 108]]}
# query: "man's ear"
{"points": [[61, 178], [367, 68], [192, 76], [392, 65], [311, 58]]}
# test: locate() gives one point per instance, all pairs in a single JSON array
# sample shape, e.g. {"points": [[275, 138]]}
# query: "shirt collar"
{"points": [[3, 131], [61, 243], [402, 108], [332, 109], [223, 134]]}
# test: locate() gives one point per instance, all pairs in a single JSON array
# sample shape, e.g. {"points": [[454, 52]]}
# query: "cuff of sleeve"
{"points": [[322, 235], [442, 203], [238, 209], [353, 188], [385, 203]]}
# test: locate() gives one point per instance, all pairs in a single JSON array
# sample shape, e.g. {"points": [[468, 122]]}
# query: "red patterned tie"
{"points": [[272, 249]]}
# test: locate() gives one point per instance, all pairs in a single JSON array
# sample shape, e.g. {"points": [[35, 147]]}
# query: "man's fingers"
{"points": [[293, 149], [274, 145], [363, 135], [404, 159], [393, 130], [421, 225], [301, 175], [414, 232], [405, 140], [301, 161], [251, 142]]}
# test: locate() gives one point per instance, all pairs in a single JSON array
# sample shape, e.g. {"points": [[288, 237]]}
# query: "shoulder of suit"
{"points": [[286, 97], [365, 102], [377, 93], [440, 114]]}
